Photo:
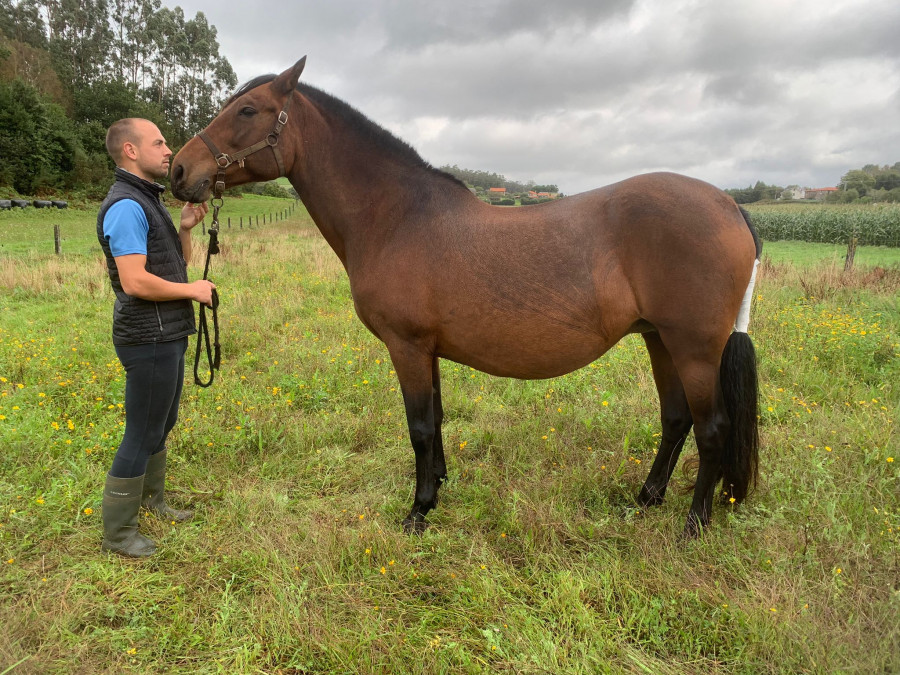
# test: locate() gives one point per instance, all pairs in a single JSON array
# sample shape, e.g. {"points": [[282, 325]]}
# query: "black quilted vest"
{"points": [[137, 321]]}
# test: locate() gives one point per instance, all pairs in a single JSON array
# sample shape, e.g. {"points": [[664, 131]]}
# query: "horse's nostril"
{"points": [[178, 173]]}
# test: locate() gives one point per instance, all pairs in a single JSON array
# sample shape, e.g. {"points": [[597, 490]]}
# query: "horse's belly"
{"points": [[534, 352]]}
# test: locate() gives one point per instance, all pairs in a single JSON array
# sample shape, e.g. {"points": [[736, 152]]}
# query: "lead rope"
{"points": [[213, 354]]}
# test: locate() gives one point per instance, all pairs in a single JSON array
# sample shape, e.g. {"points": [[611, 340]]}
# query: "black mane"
{"points": [[369, 130]]}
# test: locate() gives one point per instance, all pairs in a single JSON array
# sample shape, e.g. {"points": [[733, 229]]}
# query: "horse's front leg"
{"points": [[414, 370]]}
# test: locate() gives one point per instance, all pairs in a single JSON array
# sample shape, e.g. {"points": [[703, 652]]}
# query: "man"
{"points": [[152, 319]]}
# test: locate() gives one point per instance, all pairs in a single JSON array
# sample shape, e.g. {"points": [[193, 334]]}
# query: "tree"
{"points": [[858, 180], [887, 179], [132, 41], [103, 60], [205, 76], [32, 65], [80, 39], [21, 21], [37, 140]]}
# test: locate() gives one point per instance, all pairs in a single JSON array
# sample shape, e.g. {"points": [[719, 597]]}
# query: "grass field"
{"points": [[298, 465]]}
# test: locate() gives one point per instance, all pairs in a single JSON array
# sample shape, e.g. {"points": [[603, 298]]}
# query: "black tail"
{"points": [[756, 240], [740, 389]]}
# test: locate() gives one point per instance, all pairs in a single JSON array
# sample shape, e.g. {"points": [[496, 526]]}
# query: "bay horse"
{"points": [[530, 292]]}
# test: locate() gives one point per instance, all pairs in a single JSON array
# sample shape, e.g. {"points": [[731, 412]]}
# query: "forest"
{"points": [[69, 68]]}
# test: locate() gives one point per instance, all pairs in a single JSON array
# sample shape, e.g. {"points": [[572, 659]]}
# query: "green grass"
{"points": [[298, 465], [804, 254], [31, 231]]}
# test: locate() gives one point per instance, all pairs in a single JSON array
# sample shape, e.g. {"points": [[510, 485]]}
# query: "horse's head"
{"points": [[244, 141]]}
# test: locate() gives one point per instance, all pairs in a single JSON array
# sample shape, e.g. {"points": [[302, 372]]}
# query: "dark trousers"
{"points": [[154, 376]]}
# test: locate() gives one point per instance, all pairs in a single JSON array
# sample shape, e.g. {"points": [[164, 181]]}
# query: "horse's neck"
{"points": [[354, 194]]}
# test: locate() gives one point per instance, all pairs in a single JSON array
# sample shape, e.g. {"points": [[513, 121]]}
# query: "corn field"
{"points": [[871, 224]]}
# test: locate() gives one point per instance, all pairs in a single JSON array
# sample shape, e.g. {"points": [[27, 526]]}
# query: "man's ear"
{"points": [[129, 150]]}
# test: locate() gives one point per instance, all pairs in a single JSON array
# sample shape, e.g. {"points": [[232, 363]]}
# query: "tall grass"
{"points": [[871, 224], [298, 464]]}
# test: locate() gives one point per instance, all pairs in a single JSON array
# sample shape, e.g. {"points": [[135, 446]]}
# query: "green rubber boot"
{"points": [[153, 498], [121, 502]]}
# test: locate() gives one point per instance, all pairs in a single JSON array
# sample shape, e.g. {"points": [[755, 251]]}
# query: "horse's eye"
{"points": [[248, 111]]}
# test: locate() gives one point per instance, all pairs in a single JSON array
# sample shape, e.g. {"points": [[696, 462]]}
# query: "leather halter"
{"points": [[224, 160]]}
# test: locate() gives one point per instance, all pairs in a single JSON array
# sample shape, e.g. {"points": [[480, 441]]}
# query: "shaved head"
{"points": [[122, 132], [137, 145]]}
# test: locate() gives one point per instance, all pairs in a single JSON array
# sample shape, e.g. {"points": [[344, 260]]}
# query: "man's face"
{"points": [[149, 151]]}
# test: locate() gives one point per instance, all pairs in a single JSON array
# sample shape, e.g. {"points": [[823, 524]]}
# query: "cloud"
{"points": [[583, 93]]}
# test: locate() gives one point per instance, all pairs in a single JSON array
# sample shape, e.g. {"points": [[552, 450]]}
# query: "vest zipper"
{"points": [[158, 317]]}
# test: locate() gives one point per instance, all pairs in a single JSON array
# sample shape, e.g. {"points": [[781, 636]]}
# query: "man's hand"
{"points": [[193, 214], [202, 290]]}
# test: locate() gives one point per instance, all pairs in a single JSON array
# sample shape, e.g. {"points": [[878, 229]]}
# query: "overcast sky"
{"points": [[583, 93]]}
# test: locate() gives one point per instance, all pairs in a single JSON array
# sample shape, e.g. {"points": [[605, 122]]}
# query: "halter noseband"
{"points": [[224, 160]]}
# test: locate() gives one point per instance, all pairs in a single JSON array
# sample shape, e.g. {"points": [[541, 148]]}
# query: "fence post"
{"points": [[56, 240], [242, 222], [851, 253]]}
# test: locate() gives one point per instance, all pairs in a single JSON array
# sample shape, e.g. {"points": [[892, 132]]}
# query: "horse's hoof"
{"points": [[646, 498], [692, 530], [416, 527]]}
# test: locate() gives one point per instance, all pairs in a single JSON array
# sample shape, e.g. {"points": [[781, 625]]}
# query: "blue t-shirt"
{"points": [[125, 227]]}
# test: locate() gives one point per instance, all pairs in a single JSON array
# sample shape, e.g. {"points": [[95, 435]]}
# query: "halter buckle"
{"points": [[224, 161]]}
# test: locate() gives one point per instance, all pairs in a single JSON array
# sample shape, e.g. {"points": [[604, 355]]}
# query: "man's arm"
{"points": [[191, 216], [139, 283]]}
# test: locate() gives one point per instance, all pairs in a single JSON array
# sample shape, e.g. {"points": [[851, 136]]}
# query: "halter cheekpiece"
{"points": [[224, 160]]}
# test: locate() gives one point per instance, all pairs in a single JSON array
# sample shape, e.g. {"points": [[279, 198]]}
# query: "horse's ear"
{"points": [[285, 83]]}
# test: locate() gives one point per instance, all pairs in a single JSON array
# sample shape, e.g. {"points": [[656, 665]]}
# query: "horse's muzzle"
{"points": [[196, 193]]}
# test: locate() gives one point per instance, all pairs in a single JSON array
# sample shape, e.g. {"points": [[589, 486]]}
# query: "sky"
{"points": [[583, 93]]}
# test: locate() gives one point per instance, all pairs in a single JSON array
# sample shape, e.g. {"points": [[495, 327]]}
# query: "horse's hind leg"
{"points": [[697, 359], [676, 421], [414, 369]]}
